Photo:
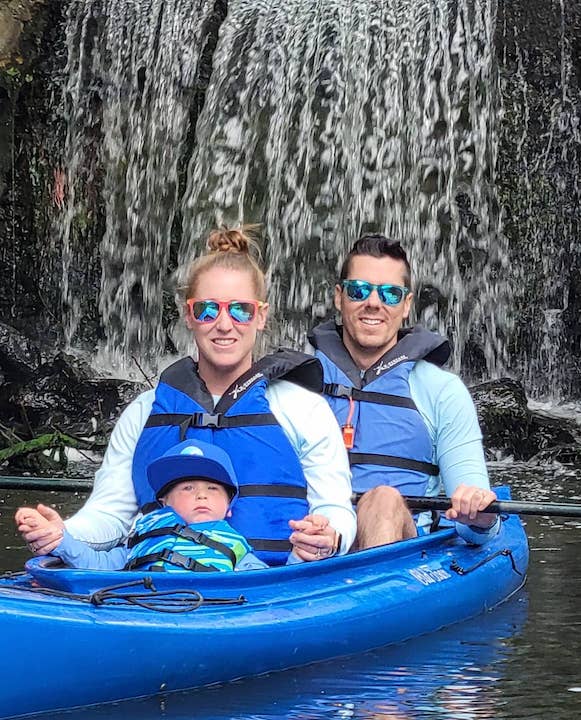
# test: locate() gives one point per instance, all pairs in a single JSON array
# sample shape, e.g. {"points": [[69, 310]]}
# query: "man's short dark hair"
{"points": [[377, 246]]}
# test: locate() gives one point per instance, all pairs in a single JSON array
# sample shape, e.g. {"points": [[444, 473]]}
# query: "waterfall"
{"points": [[132, 72], [541, 151], [452, 125], [327, 119]]}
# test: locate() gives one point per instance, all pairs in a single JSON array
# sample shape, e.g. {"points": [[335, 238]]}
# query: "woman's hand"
{"points": [[313, 538], [42, 528], [468, 502]]}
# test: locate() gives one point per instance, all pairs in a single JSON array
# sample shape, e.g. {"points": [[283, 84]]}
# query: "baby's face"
{"points": [[199, 500]]}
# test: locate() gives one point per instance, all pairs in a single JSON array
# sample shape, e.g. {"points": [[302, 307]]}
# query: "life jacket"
{"points": [[272, 485], [162, 540], [390, 442]]}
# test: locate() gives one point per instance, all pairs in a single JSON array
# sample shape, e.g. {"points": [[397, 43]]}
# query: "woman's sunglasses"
{"points": [[359, 290], [207, 311]]}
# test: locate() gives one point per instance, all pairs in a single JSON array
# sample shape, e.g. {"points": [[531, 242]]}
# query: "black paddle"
{"points": [[40, 483], [506, 507]]}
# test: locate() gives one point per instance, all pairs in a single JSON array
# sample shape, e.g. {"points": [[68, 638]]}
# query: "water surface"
{"points": [[518, 661]]}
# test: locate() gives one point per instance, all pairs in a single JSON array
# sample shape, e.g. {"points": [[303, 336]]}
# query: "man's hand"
{"points": [[313, 538], [467, 505], [42, 528]]}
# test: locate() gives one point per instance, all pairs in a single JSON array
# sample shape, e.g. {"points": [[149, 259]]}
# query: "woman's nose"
{"points": [[224, 321]]}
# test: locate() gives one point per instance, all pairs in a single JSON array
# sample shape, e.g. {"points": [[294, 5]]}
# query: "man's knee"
{"points": [[382, 497]]}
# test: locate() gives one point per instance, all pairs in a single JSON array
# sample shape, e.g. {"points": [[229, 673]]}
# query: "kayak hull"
{"points": [[61, 651]]}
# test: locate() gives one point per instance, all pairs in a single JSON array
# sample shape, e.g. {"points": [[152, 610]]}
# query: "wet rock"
{"points": [[64, 394], [510, 427], [504, 417], [14, 14], [19, 357], [563, 454]]}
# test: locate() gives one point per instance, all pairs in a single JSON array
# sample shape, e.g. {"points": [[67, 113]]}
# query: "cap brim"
{"points": [[166, 471]]}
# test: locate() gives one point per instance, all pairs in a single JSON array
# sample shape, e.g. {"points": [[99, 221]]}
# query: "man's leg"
{"points": [[382, 518]]}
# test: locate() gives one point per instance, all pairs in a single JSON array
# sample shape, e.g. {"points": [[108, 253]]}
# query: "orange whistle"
{"points": [[348, 436]]}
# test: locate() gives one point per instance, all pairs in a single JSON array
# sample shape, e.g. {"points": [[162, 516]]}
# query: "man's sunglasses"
{"points": [[207, 311], [359, 290]]}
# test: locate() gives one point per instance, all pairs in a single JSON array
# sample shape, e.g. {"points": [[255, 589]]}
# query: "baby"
{"points": [[195, 484]]}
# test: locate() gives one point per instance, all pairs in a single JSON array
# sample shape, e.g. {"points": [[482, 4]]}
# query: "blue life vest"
{"points": [[272, 485], [163, 541], [391, 443]]}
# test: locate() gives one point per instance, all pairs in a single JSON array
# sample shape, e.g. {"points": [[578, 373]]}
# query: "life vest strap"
{"points": [[184, 531], [172, 558], [216, 421], [344, 391], [283, 546], [278, 491], [393, 461]]}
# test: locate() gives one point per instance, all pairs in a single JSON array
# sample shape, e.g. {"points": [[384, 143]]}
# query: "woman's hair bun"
{"points": [[234, 240]]}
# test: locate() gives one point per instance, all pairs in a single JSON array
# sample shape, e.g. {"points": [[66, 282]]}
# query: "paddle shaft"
{"points": [[39, 483], [505, 507]]}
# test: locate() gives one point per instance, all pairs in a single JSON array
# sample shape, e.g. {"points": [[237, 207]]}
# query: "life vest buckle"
{"points": [[337, 390], [206, 420]]}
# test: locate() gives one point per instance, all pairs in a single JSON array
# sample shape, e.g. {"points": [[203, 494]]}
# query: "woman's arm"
{"points": [[106, 518], [312, 430]]}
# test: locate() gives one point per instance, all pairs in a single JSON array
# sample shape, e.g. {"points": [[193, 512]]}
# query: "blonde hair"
{"points": [[231, 249]]}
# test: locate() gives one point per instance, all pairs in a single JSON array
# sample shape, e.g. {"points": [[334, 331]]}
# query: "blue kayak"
{"points": [[73, 638]]}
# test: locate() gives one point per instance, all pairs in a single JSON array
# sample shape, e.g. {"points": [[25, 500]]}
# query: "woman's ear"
{"points": [[262, 316], [188, 318]]}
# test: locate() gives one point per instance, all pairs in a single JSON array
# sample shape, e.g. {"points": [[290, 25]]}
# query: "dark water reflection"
{"points": [[519, 661]]}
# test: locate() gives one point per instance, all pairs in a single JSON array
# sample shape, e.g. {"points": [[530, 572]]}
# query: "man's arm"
{"points": [[452, 418]]}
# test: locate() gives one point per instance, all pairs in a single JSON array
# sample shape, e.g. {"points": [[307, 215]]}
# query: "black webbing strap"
{"points": [[344, 391], [278, 491], [216, 421], [183, 531], [172, 558], [270, 545], [219, 421], [393, 461]]}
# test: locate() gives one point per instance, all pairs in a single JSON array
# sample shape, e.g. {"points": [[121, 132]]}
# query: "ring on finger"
{"points": [[318, 553]]}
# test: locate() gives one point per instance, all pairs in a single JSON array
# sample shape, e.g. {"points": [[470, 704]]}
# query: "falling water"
{"points": [[131, 76], [326, 119], [542, 121], [422, 119]]}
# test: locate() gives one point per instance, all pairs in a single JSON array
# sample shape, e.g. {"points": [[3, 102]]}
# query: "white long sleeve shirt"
{"points": [[305, 418]]}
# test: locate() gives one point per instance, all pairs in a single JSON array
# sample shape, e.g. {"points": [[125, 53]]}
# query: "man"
{"points": [[409, 426]]}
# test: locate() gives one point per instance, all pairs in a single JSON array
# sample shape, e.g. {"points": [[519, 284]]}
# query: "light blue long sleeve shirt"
{"points": [[78, 554], [447, 408]]}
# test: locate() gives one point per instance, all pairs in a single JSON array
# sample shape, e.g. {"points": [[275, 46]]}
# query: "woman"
{"points": [[283, 439]]}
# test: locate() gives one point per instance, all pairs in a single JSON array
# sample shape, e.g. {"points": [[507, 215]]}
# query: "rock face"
{"points": [[60, 395], [14, 16], [510, 428]]}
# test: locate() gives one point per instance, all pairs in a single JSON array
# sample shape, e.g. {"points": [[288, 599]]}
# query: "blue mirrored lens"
{"points": [[358, 290], [390, 294], [241, 312], [206, 310]]}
